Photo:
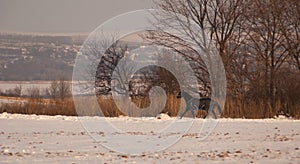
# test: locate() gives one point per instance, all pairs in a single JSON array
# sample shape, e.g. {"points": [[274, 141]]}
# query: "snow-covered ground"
{"points": [[60, 139]]}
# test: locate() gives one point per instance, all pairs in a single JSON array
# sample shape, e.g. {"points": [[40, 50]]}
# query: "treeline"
{"points": [[258, 41]]}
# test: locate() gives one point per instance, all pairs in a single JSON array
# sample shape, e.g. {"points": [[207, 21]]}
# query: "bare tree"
{"points": [[35, 95], [18, 90], [266, 41], [290, 28], [59, 89], [99, 59], [196, 12], [107, 66], [53, 91], [217, 22], [64, 89]]}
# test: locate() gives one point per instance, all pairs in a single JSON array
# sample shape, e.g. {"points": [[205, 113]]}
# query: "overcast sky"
{"points": [[62, 16]]}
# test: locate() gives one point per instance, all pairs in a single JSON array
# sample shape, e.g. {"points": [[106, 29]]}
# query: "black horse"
{"points": [[198, 104]]}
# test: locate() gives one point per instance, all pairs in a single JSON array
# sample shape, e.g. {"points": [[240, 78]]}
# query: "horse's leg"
{"points": [[183, 113], [193, 113], [218, 108], [210, 111], [215, 106], [213, 110], [206, 115]]}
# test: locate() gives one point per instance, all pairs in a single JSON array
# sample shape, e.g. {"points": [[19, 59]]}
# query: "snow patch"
{"points": [[163, 116], [6, 115]]}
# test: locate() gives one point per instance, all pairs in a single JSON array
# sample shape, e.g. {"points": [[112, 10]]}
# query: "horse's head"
{"points": [[185, 95]]}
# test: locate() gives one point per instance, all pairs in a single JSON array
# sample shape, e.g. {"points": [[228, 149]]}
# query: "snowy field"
{"points": [[60, 139]]}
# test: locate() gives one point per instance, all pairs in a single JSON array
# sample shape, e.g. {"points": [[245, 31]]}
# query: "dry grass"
{"points": [[173, 107], [40, 107], [259, 109], [140, 106]]}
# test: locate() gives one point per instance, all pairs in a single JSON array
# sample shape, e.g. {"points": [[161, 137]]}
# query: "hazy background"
{"points": [[62, 16]]}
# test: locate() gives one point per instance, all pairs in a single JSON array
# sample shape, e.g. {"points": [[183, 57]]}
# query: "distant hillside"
{"points": [[25, 57], [37, 57]]}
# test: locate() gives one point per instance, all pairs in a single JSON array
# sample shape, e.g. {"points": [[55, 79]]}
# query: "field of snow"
{"points": [[61, 139]]}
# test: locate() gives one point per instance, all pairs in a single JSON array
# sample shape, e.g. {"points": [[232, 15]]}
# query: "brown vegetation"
{"points": [[40, 107], [233, 109]]}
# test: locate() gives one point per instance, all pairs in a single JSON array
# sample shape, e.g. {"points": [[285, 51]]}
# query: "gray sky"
{"points": [[62, 16]]}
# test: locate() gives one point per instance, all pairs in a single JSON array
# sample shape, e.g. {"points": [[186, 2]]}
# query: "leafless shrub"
{"points": [[59, 90]]}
